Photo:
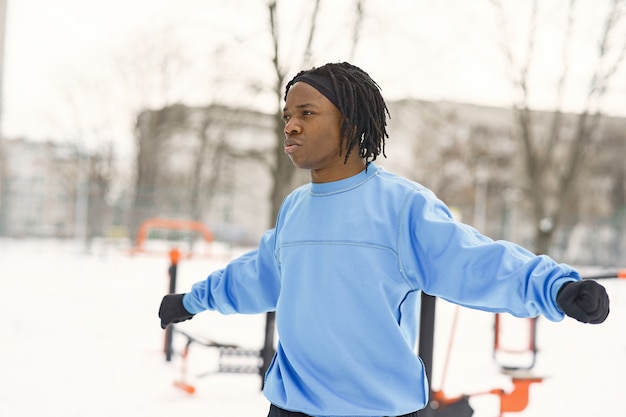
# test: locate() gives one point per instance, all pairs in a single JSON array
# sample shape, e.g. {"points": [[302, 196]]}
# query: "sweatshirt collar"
{"points": [[346, 184]]}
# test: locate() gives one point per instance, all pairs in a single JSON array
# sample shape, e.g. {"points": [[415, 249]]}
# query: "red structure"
{"points": [[159, 223]]}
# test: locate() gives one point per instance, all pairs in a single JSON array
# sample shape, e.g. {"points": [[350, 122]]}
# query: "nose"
{"points": [[292, 127]]}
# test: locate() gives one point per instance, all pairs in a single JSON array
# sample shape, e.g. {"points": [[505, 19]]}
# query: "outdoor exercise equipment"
{"points": [[182, 382], [232, 358], [228, 353], [440, 405], [170, 225], [172, 273]]}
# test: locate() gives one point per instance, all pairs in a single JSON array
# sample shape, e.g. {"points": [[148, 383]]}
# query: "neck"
{"points": [[352, 167]]}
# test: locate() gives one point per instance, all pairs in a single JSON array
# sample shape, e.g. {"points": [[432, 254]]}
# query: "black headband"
{"points": [[321, 84]]}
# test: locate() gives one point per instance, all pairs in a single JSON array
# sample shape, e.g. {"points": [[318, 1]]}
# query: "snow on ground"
{"points": [[80, 337]]}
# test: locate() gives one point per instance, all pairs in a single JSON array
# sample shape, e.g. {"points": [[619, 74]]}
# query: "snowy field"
{"points": [[81, 338]]}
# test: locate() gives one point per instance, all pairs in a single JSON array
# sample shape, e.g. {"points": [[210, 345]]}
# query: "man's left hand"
{"points": [[586, 301]]}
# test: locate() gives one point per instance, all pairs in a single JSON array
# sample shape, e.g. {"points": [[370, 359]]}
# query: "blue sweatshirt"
{"points": [[343, 269]]}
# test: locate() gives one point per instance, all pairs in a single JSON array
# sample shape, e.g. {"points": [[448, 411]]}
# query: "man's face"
{"points": [[313, 134]]}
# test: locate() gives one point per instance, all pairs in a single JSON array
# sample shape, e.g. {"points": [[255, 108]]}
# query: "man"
{"points": [[349, 255]]}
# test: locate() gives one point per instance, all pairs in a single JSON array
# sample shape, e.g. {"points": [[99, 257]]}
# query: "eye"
{"points": [[307, 113], [286, 118]]}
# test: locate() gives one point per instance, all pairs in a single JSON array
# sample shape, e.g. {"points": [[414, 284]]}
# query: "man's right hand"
{"points": [[172, 310]]}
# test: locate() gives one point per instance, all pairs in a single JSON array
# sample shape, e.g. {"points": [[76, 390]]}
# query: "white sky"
{"points": [[65, 60]]}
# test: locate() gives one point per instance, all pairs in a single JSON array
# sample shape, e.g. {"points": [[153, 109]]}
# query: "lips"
{"points": [[290, 146]]}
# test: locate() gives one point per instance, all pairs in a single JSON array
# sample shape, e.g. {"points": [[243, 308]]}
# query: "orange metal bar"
{"points": [[182, 382], [174, 256], [531, 338], [443, 399], [171, 224], [516, 400]]}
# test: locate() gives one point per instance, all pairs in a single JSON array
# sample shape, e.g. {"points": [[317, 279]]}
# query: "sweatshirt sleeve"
{"points": [[454, 261], [249, 284]]}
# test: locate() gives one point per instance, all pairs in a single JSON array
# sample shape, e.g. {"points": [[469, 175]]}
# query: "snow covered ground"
{"points": [[80, 337]]}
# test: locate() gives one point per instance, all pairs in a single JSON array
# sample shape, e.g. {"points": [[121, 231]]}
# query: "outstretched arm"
{"points": [[455, 262], [249, 284]]}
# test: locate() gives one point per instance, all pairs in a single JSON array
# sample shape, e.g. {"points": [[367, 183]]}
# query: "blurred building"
{"points": [[214, 164], [39, 188], [205, 163]]}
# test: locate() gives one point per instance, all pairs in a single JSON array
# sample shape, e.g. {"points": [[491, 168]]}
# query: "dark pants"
{"points": [[279, 412]]}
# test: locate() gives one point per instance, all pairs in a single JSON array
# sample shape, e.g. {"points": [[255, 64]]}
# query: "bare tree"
{"points": [[553, 156], [150, 72], [356, 32], [101, 174], [152, 130], [214, 153], [282, 169]]}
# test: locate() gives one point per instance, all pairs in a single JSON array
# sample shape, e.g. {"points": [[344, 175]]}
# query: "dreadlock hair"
{"points": [[361, 104]]}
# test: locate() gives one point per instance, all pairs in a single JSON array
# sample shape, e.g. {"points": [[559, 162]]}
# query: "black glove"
{"points": [[172, 310], [586, 301]]}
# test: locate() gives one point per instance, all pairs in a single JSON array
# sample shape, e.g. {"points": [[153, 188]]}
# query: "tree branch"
{"points": [[357, 27], [307, 58], [554, 135]]}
